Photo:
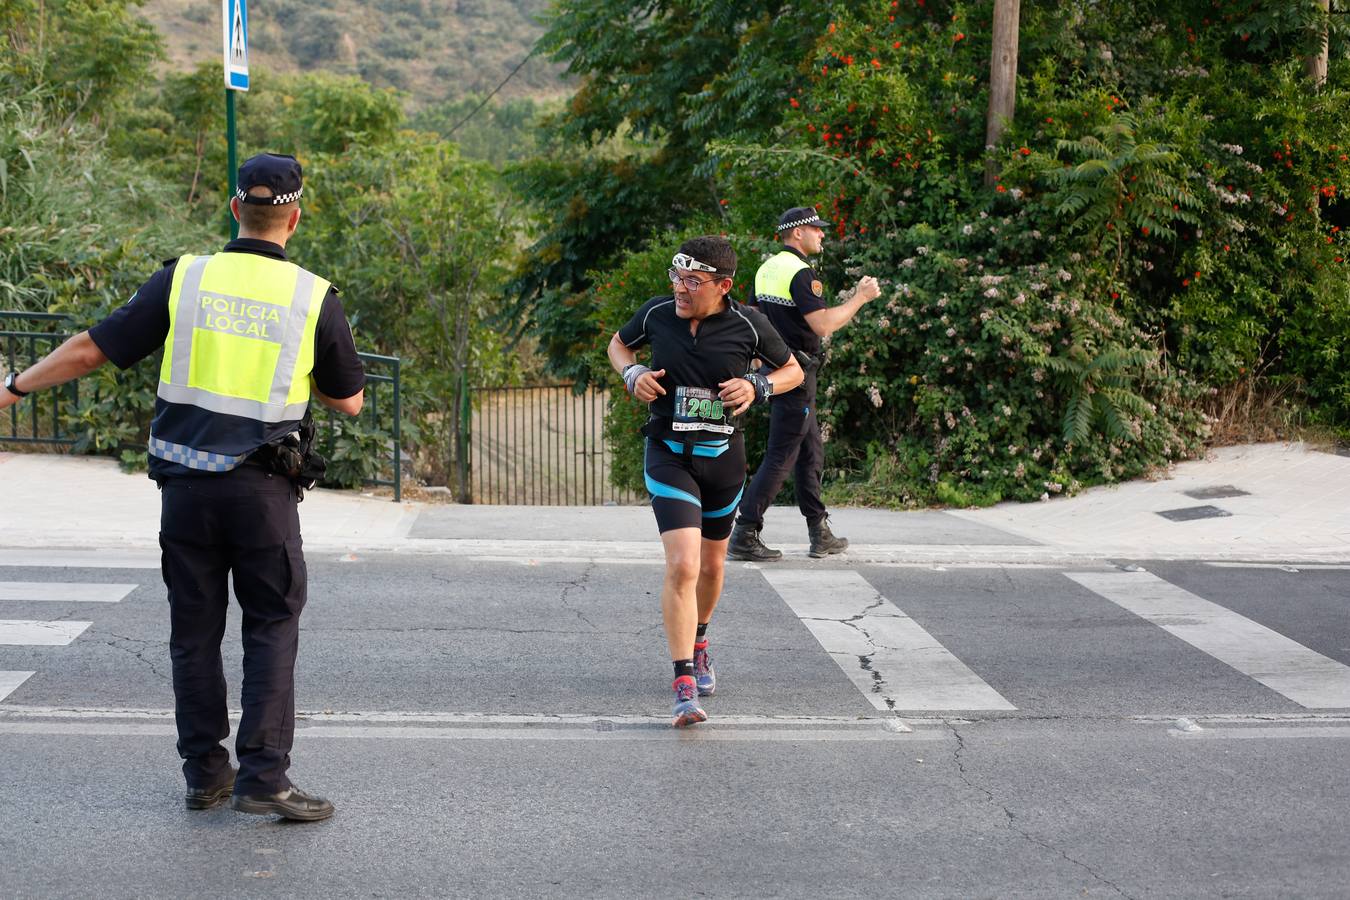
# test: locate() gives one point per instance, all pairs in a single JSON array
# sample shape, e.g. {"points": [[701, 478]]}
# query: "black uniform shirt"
{"points": [[141, 326], [808, 294], [720, 350]]}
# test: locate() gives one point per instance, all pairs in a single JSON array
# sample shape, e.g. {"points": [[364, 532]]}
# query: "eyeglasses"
{"points": [[690, 281]]}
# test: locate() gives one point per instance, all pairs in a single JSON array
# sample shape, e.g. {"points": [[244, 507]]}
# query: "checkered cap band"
{"points": [[276, 200], [797, 223]]}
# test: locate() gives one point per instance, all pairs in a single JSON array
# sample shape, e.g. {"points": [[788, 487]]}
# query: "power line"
{"points": [[475, 110]]}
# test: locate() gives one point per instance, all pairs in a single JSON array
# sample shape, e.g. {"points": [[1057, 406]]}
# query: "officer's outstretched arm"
{"points": [[349, 405], [76, 357]]}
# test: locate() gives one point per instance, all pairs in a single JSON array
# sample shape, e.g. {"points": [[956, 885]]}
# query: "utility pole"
{"points": [[1002, 80]]}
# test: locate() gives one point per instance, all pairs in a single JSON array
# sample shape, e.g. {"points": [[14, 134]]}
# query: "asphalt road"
{"points": [[498, 728]]}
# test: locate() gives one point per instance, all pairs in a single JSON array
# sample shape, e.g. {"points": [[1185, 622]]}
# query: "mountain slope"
{"points": [[434, 49]]}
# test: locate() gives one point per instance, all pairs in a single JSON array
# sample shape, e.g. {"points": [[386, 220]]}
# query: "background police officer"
{"points": [[789, 292], [248, 339]]}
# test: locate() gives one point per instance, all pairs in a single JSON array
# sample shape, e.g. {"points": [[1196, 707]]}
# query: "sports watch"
{"points": [[12, 387]]}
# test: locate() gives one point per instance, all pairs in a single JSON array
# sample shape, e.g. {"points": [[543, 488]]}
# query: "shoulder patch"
{"points": [[817, 288]]}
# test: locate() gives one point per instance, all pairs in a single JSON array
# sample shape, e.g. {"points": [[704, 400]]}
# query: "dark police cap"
{"points": [[277, 171], [799, 216]]}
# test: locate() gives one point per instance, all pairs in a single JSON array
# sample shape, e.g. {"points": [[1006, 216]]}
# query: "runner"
{"points": [[699, 382]]}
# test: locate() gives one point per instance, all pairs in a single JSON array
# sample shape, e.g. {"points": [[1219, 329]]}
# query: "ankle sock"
{"points": [[684, 667], [702, 633]]}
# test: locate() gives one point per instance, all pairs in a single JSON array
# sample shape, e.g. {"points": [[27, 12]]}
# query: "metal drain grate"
{"points": [[1188, 513]]}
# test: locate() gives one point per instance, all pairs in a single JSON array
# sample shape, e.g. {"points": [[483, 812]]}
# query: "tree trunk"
{"points": [[1002, 80], [1315, 66]]}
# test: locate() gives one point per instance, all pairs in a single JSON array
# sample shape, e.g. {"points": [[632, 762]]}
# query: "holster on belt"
{"points": [[808, 362], [294, 456]]}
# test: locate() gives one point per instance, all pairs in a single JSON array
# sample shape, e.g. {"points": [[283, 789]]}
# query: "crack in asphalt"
{"points": [[139, 653], [579, 582], [1011, 817]]}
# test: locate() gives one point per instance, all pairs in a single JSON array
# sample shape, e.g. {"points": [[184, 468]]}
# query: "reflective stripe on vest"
{"points": [[773, 281], [237, 359]]}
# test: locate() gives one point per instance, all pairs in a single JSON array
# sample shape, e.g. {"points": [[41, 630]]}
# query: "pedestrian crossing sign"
{"points": [[234, 15]]}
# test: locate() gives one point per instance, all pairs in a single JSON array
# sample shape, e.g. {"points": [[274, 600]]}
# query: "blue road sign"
{"points": [[234, 14]]}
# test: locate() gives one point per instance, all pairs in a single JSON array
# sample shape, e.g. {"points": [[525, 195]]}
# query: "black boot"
{"points": [[746, 545], [823, 541]]}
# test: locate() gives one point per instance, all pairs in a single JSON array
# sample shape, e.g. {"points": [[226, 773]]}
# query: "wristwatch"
{"points": [[12, 387]]}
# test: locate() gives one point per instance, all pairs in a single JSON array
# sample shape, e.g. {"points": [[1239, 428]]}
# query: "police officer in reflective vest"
{"points": [[248, 338], [788, 291]]}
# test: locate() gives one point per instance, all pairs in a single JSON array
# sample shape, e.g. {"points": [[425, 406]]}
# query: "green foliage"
{"points": [[354, 451], [80, 56], [425, 277], [1166, 220], [673, 77], [498, 133]]}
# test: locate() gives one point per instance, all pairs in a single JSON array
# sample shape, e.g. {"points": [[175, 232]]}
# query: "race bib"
{"points": [[700, 409]]}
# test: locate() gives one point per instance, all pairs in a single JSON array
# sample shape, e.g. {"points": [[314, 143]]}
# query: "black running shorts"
{"points": [[699, 489]]}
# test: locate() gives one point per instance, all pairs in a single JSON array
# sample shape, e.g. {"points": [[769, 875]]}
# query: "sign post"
{"points": [[234, 17]]}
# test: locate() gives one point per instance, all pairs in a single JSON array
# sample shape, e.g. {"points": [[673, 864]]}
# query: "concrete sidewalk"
{"points": [[1269, 502]]}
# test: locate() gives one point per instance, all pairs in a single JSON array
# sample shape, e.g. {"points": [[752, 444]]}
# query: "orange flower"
{"points": [[959, 37], [1024, 151], [876, 63]]}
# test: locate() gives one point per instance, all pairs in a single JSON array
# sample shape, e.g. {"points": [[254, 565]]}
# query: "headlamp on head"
{"points": [[685, 261]]}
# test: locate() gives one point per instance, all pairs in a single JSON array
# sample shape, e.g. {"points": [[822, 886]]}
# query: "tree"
{"points": [[425, 275], [659, 81]]}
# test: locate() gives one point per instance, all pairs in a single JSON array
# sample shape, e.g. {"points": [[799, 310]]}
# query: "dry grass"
{"points": [[1255, 410]]}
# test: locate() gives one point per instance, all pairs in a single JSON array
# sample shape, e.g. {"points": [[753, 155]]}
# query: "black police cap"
{"points": [[277, 171], [799, 216]]}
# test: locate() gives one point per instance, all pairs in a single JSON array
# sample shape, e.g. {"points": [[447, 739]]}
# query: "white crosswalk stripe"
{"points": [[1281, 664], [890, 657], [24, 632], [64, 591], [10, 681], [59, 633]]}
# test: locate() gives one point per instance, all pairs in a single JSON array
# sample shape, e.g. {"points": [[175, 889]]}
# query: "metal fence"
{"points": [[383, 379], [541, 446], [26, 337]]}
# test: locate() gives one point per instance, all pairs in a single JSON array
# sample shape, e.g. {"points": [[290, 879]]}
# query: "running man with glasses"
{"points": [[698, 384]]}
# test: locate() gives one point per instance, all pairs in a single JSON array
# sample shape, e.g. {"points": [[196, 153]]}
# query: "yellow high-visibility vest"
{"points": [[773, 281], [237, 358]]}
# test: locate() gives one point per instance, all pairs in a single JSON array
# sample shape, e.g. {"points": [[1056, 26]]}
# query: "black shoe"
{"points": [[823, 541], [210, 798], [291, 803], [746, 545]]}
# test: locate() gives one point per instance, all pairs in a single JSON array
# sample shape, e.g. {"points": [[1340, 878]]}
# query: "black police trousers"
{"points": [[795, 447], [244, 524]]}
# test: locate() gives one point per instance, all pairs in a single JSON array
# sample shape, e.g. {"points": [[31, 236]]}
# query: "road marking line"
{"points": [[10, 681], [19, 632], [468, 726], [1283, 731], [65, 592], [894, 662], [1285, 567], [1281, 664], [80, 559]]}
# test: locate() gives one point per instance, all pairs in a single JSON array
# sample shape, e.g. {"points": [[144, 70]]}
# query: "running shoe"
{"points": [[687, 711], [704, 676]]}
